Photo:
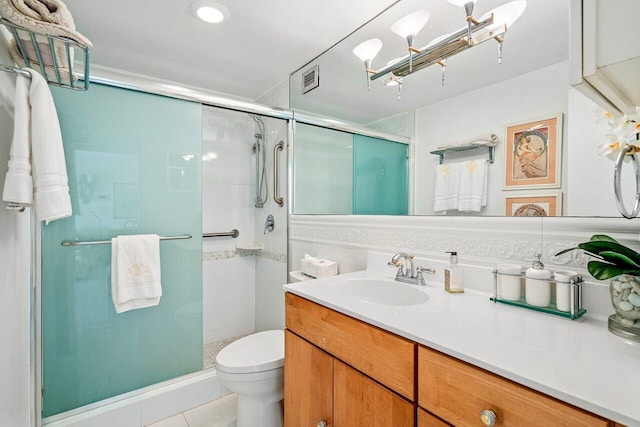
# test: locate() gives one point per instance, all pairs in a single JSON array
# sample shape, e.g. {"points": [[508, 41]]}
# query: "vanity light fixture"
{"points": [[492, 25], [209, 12]]}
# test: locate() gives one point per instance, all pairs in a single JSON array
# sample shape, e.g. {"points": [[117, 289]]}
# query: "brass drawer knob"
{"points": [[488, 417]]}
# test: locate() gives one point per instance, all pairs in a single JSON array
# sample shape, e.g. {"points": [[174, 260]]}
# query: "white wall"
{"points": [[16, 397], [538, 94]]}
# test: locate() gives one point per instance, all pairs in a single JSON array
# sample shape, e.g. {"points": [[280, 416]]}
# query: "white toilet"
{"points": [[253, 367]]}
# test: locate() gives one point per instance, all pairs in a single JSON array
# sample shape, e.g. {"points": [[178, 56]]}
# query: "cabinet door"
{"points": [[308, 383], [359, 401]]}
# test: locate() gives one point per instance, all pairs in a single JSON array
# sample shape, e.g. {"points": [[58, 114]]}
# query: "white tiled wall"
{"points": [[228, 191]]}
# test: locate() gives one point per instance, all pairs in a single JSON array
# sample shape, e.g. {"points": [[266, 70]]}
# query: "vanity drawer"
{"points": [[381, 355], [458, 392]]}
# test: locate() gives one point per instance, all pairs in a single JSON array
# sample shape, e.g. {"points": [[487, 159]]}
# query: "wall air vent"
{"points": [[311, 78]]}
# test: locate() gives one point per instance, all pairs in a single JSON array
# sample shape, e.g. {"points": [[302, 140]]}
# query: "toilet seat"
{"points": [[259, 352]]}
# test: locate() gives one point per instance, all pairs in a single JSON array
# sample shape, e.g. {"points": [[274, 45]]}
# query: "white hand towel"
{"points": [[473, 183], [447, 187], [135, 272], [37, 174]]}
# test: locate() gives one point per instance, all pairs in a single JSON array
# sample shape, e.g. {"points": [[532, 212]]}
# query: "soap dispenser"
{"points": [[538, 284], [453, 279]]}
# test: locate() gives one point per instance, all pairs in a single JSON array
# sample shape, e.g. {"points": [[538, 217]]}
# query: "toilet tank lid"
{"points": [[257, 352]]}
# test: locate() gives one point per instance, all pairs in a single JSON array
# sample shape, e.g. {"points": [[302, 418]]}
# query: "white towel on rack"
{"points": [[447, 187], [472, 194], [135, 272], [37, 174]]}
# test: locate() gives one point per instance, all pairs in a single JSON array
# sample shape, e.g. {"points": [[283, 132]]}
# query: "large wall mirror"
{"points": [[545, 160]]}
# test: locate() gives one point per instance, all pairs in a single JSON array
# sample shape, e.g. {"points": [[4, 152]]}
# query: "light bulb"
{"points": [[368, 50], [506, 14], [411, 24], [210, 12]]}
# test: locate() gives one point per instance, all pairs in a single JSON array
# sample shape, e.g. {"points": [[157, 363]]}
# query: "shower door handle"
{"points": [[276, 165]]}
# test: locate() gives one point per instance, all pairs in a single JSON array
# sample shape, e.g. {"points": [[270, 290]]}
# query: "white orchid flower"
{"points": [[610, 149], [630, 129]]}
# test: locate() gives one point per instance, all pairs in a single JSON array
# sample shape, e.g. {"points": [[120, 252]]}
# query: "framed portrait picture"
{"points": [[533, 154], [533, 203]]}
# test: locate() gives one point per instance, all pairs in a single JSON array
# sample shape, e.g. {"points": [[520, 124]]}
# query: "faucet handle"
{"points": [[399, 266], [426, 270], [420, 276]]}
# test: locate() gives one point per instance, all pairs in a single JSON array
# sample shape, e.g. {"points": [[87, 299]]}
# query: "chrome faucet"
{"points": [[410, 274]]}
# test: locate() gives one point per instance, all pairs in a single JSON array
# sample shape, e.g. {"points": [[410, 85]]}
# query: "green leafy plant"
{"points": [[613, 258]]}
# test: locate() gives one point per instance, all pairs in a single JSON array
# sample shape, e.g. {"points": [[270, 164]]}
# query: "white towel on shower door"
{"points": [[135, 272]]}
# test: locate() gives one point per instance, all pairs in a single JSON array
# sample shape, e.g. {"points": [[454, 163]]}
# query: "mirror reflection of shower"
{"points": [[259, 147]]}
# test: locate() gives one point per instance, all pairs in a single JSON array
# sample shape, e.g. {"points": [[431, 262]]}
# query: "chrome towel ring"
{"points": [[629, 150]]}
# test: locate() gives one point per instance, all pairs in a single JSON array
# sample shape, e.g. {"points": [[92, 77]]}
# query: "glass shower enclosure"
{"points": [[134, 167]]}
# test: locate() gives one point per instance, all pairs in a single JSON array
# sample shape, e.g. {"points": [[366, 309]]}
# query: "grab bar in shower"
{"points": [[108, 242], [233, 233], [276, 165]]}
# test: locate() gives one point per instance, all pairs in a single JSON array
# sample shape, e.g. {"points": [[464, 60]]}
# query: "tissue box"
{"points": [[318, 267]]}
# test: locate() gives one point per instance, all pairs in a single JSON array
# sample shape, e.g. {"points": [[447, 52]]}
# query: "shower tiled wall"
{"points": [[228, 188]]}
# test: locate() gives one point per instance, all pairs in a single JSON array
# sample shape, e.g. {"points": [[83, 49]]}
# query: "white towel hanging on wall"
{"points": [[37, 174]]}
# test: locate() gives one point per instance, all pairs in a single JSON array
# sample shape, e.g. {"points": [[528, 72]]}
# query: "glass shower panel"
{"points": [[134, 167], [323, 180], [380, 183]]}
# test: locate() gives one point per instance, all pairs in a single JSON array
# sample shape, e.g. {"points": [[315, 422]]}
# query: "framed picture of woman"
{"points": [[533, 154]]}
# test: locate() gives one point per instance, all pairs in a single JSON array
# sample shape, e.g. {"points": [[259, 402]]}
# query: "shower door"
{"points": [[134, 167]]}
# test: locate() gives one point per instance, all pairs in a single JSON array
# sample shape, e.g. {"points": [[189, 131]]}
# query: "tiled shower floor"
{"points": [[211, 350]]}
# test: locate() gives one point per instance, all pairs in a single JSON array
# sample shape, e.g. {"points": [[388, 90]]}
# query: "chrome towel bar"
{"points": [[233, 233], [108, 242]]}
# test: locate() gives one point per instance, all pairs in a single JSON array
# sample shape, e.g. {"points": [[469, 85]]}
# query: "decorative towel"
{"points": [[472, 194], [490, 139], [37, 174], [135, 272], [447, 187]]}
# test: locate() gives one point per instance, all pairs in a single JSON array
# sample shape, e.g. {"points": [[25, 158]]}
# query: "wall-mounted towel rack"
{"points": [[233, 233], [108, 242], [58, 74], [441, 152]]}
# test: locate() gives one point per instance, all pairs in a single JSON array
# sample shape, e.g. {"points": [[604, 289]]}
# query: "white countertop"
{"points": [[579, 362]]}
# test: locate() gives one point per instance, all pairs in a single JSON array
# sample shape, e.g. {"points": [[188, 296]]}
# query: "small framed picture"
{"points": [[533, 203], [533, 156]]}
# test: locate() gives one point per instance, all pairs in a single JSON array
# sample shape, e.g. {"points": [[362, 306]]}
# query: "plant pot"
{"points": [[625, 297]]}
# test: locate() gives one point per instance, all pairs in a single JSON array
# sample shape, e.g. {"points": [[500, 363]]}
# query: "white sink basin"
{"points": [[382, 291]]}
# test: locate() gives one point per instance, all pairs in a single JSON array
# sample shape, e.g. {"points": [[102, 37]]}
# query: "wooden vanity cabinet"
{"points": [[458, 393], [335, 368], [347, 373]]}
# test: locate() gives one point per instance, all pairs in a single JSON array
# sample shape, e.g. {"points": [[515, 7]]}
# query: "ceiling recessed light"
{"points": [[209, 11]]}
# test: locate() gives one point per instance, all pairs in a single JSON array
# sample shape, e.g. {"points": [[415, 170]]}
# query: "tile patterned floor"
{"points": [[218, 413], [211, 350]]}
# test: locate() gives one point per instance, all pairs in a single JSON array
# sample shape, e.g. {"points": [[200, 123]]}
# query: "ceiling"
{"points": [[246, 56]]}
